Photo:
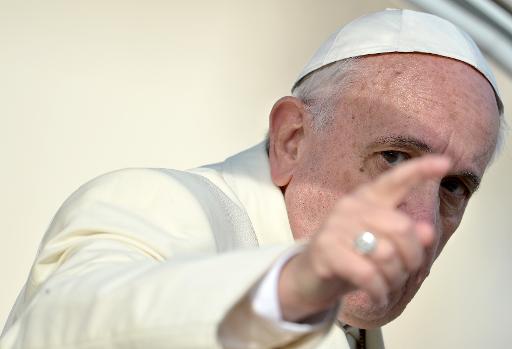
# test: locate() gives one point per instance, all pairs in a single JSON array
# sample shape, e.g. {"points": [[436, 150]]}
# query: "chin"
{"points": [[360, 311]]}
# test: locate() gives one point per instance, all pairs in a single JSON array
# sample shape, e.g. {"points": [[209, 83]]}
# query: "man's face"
{"points": [[399, 106]]}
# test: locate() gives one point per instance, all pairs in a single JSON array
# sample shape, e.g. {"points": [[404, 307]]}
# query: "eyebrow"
{"points": [[410, 142], [405, 141], [472, 178]]}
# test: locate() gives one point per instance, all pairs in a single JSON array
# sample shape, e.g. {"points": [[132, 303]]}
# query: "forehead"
{"points": [[445, 103]]}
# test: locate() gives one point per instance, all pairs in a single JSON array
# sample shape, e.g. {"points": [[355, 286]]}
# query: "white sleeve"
{"points": [[257, 317], [265, 301]]}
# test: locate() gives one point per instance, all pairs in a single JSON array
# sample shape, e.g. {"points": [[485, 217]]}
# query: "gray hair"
{"points": [[320, 90]]}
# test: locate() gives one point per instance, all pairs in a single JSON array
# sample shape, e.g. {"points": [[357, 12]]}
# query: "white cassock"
{"points": [[157, 258]]}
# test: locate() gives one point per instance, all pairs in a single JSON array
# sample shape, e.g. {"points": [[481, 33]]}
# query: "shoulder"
{"points": [[140, 182], [140, 189], [142, 203]]}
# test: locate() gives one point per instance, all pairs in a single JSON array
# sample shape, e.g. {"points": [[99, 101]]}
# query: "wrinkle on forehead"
{"points": [[450, 99], [421, 73]]}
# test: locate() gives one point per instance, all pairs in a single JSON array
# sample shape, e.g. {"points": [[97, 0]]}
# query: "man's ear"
{"points": [[286, 133]]}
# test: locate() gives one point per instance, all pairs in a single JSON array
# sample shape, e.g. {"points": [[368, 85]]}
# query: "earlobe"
{"points": [[286, 133]]}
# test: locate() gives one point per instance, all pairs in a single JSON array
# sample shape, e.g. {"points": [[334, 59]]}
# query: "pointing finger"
{"points": [[391, 187]]}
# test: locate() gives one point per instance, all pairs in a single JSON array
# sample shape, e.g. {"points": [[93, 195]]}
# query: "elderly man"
{"points": [[370, 165]]}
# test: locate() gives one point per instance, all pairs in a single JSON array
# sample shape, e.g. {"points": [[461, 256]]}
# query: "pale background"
{"points": [[87, 87]]}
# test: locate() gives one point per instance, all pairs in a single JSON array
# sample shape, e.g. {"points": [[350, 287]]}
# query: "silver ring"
{"points": [[365, 243]]}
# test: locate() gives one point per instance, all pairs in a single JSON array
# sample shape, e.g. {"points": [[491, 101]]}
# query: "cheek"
{"points": [[307, 204], [313, 191], [328, 169]]}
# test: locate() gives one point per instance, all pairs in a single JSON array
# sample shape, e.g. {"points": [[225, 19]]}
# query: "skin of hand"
{"points": [[354, 175], [330, 266]]}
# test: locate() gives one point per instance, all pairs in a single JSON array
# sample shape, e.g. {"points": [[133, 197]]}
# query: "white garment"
{"points": [[265, 301], [151, 258]]}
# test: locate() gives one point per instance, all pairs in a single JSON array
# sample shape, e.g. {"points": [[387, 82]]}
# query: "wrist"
{"points": [[303, 295]]}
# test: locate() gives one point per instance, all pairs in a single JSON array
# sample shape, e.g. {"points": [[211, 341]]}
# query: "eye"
{"points": [[455, 187], [394, 158]]}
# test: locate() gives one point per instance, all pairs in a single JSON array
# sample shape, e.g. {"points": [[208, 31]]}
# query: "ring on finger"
{"points": [[365, 243]]}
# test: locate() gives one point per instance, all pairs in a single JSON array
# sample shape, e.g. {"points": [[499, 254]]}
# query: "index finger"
{"points": [[391, 187]]}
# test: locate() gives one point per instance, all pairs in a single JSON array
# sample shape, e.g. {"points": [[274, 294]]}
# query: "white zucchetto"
{"points": [[400, 30]]}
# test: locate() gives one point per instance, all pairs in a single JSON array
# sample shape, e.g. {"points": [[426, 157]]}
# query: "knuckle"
{"points": [[404, 225], [323, 241], [366, 275], [403, 230], [345, 204], [331, 224], [379, 288], [393, 272], [369, 195], [320, 262], [321, 268], [386, 253]]}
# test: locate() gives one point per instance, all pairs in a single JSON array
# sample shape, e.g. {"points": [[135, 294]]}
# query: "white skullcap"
{"points": [[397, 30]]}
